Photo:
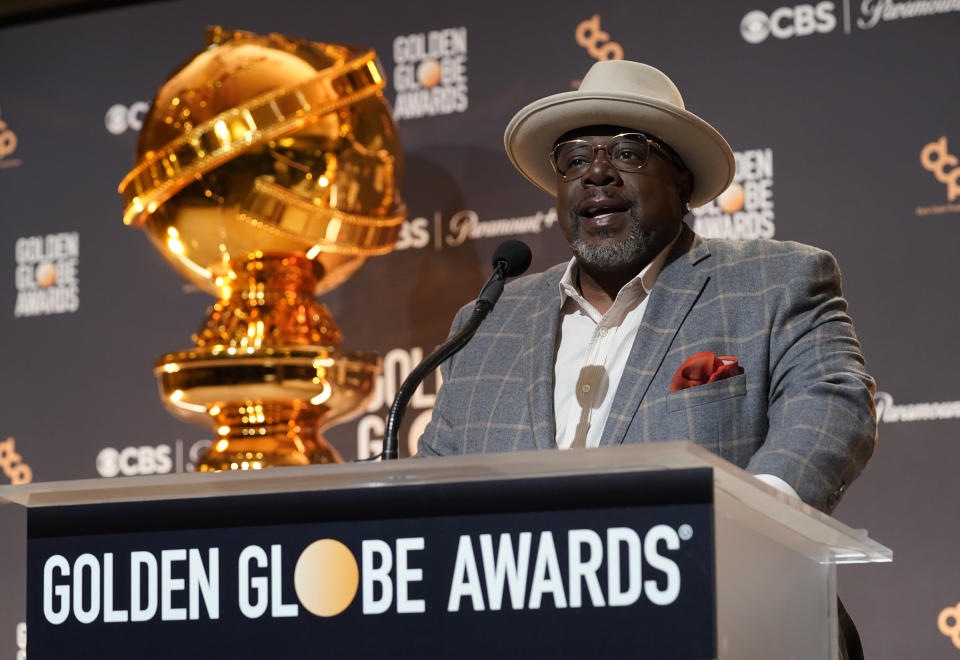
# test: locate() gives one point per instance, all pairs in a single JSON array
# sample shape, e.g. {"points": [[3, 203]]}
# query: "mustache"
{"points": [[596, 196], [603, 195]]}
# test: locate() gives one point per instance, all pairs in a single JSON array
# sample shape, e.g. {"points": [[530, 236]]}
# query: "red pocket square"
{"points": [[702, 368]]}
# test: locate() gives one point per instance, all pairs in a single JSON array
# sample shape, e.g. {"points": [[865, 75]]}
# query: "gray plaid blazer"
{"points": [[801, 410]]}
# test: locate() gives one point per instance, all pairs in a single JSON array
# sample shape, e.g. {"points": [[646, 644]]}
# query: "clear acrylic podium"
{"points": [[751, 571]]}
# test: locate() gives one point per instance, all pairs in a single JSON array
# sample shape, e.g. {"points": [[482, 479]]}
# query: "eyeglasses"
{"points": [[628, 152]]}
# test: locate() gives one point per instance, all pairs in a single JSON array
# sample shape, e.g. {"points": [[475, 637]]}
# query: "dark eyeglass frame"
{"points": [[648, 140]]}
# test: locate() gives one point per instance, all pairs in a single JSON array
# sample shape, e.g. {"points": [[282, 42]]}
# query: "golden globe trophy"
{"points": [[268, 169]]}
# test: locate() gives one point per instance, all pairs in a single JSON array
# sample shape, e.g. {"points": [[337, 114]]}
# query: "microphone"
{"points": [[513, 256], [510, 259]]}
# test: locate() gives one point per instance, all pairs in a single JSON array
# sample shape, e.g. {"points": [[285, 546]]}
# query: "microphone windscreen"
{"points": [[515, 254]]}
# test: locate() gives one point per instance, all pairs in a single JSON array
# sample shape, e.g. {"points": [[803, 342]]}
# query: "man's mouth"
{"points": [[599, 211]]}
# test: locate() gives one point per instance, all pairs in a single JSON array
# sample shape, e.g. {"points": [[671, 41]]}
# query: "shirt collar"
{"points": [[646, 278]]}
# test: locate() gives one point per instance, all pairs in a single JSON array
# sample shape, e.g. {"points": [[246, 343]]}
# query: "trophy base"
{"points": [[266, 406], [254, 458]]}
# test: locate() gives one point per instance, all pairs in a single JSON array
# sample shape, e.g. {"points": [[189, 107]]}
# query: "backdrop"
{"points": [[843, 116]]}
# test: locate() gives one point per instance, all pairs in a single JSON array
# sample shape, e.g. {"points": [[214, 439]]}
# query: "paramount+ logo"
{"points": [[787, 22], [612, 567], [466, 224]]}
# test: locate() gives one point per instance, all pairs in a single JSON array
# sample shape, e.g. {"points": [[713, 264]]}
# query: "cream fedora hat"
{"points": [[628, 94]]}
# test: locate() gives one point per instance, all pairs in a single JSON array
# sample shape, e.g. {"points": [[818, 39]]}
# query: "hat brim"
{"points": [[532, 133]]}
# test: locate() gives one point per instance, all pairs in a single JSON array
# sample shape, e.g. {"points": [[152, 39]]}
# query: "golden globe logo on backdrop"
{"points": [[397, 365], [430, 73], [46, 275], [745, 209]]}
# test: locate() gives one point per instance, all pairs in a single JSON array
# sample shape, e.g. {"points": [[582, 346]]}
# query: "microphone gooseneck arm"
{"points": [[485, 301], [510, 259]]}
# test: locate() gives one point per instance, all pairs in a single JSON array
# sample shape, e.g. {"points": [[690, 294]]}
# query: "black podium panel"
{"points": [[620, 565]]}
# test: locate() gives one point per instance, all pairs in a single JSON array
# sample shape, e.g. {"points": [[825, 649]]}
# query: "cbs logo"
{"points": [[786, 22], [132, 461], [120, 118]]}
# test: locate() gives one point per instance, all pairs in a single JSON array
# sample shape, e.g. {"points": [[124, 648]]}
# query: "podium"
{"points": [[656, 551]]}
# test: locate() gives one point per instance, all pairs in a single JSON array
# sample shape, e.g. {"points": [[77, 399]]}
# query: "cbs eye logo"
{"points": [[132, 461], [120, 118], [786, 22]]}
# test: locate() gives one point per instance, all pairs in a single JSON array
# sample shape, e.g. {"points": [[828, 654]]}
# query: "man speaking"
{"points": [[651, 333]]}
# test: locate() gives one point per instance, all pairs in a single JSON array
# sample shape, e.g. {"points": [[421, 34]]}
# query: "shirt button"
{"points": [[602, 332], [585, 389]]}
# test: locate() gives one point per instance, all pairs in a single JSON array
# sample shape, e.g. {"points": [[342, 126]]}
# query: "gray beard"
{"points": [[638, 247]]}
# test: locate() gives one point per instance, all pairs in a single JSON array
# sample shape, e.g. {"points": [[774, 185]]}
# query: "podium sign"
{"points": [[476, 557]]}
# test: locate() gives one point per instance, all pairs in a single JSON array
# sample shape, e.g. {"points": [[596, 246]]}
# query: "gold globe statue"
{"points": [[268, 169]]}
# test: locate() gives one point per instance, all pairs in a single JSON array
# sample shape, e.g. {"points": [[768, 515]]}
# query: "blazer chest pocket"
{"points": [[701, 395], [709, 415]]}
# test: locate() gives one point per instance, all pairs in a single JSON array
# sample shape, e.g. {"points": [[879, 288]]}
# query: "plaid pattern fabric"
{"points": [[801, 410]]}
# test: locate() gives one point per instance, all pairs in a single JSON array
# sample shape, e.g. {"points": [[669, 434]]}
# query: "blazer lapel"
{"points": [[539, 351], [676, 290]]}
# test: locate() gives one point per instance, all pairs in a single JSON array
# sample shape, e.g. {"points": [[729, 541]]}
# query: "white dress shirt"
{"points": [[591, 353]]}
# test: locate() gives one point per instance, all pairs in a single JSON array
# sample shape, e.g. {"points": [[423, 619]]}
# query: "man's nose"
{"points": [[601, 171]]}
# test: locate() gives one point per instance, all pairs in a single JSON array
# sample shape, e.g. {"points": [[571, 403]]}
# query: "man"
{"points": [[651, 333]]}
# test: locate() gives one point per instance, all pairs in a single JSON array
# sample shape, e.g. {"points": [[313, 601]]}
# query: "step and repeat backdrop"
{"points": [[844, 119]]}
